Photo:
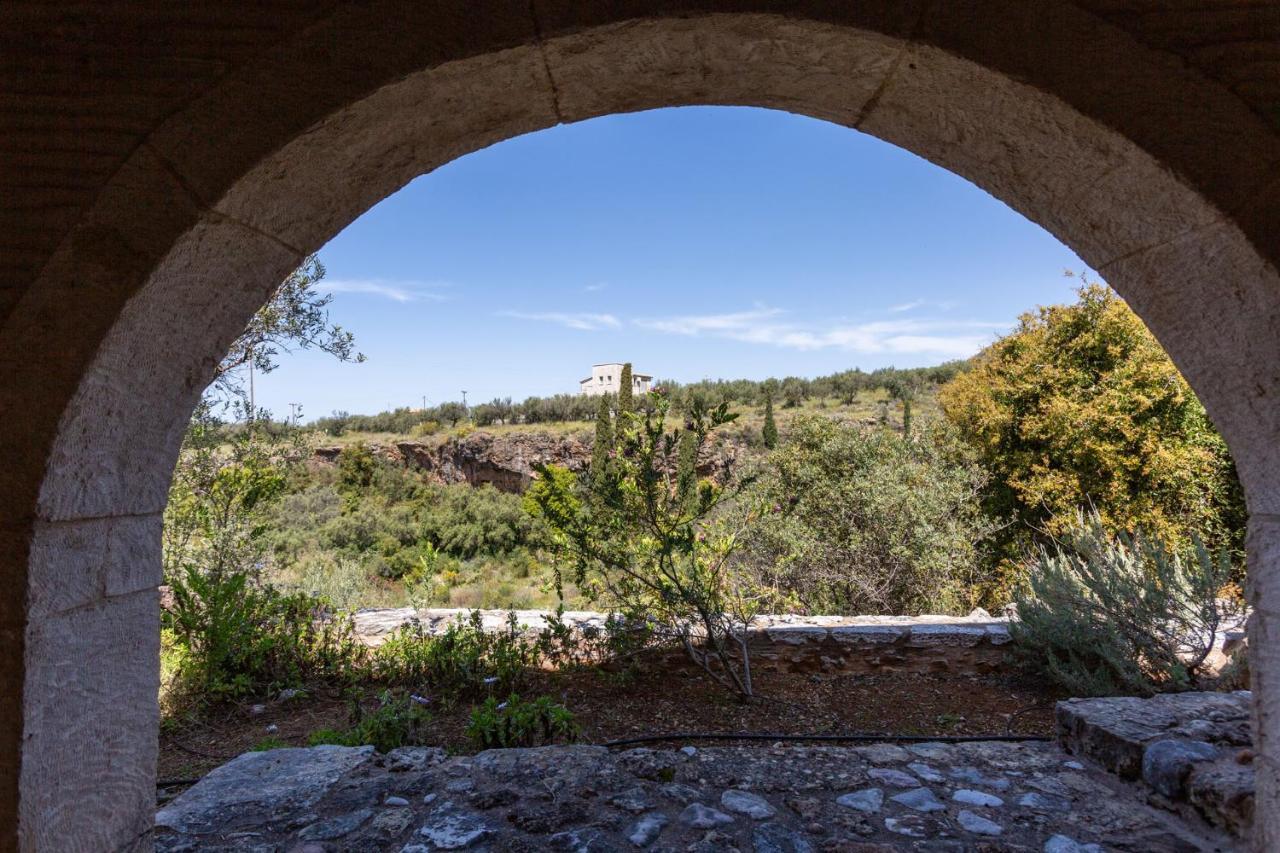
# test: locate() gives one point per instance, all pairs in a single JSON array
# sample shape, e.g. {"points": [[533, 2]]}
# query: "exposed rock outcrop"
{"points": [[507, 461]]}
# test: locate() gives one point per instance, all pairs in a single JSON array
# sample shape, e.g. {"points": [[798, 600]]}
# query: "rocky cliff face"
{"points": [[507, 461]]}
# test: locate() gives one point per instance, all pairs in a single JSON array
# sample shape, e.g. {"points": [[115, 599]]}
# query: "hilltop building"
{"points": [[607, 379]]}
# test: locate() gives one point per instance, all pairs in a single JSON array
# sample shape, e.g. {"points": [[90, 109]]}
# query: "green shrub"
{"points": [[463, 660], [866, 520], [1081, 406], [239, 638], [397, 721], [337, 579], [619, 640], [647, 538], [465, 521], [517, 722], [1104, 615], [356, 468]]}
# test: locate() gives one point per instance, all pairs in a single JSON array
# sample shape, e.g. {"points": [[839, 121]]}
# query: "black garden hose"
{"points": [[857, 737]]}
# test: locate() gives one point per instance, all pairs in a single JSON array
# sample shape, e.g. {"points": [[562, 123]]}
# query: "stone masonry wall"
{"points": [[977, 643]]}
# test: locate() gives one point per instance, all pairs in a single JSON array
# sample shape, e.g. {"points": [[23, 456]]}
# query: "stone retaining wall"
{"points": [[1190, 752], [977, 643]]}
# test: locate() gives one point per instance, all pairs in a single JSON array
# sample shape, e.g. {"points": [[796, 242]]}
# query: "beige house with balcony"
{"points": [[607, 379]]}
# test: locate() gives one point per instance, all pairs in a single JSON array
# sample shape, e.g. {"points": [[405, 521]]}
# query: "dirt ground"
{"points": [[653, 702]]}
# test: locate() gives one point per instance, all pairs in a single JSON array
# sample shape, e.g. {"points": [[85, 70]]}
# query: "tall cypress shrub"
{"points": [[770, 428], [626, 399], [604, 439]]}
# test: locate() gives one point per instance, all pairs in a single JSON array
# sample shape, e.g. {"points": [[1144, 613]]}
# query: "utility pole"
{"points": [[253, 406], [466, 413], [424, 402], [295, 412]]}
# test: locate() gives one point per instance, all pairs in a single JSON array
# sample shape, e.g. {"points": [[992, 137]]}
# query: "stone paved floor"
{"points": [[781, 799]]}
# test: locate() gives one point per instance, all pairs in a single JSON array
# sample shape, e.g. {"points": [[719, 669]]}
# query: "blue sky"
{"points": [[695, 242]]}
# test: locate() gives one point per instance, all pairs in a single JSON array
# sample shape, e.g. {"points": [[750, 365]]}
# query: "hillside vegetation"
{"points": [[930, 490]]}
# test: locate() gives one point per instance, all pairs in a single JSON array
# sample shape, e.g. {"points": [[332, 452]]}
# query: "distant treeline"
{"points": [[787, 393]]}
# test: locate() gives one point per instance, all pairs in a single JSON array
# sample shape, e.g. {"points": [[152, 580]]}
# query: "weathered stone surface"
{"points": [[920, 799], [1063, 844], [868, 800], [1181, 745], [703, 817], [893, 777], [975, 776], [977, 824], [925, 772], [1115, 731], [647, 829], [775, 838], [335, 827], [586, 799], [978, 798], [1039, 802], [746, 803], [1224, 792], [1167, 763], [883, 753], [260, 786], [454, 830], [948, 635]]}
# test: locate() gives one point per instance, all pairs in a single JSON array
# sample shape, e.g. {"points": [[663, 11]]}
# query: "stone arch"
{"points": [[1160, 179]]}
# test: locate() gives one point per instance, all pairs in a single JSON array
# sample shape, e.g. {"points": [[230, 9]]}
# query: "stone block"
{"points": [[868, 635], [1166, 764], [794, 635], [257, 785], [947, 635], [1224, 792], [75, 563], [91, 713]]}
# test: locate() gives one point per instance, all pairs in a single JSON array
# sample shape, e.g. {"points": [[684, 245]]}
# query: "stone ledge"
{"points": [[1190, 750], [855, 644]]}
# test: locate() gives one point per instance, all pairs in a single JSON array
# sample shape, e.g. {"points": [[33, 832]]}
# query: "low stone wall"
{"points": [[977, 643], [1190, 751]]}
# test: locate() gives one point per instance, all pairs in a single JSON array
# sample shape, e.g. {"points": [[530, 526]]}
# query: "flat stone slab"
{"points": [[764, 799], [256, 785], [373, 626]]}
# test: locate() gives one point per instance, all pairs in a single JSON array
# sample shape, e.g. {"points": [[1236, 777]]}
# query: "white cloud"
{"points": [[766, 326], [741, 321], [583, 322], [906, 306], [396, 291], [941, 305], [592, 288]]}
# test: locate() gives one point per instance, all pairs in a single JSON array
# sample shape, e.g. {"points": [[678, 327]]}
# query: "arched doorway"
{"points": [[1156, 177]]}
